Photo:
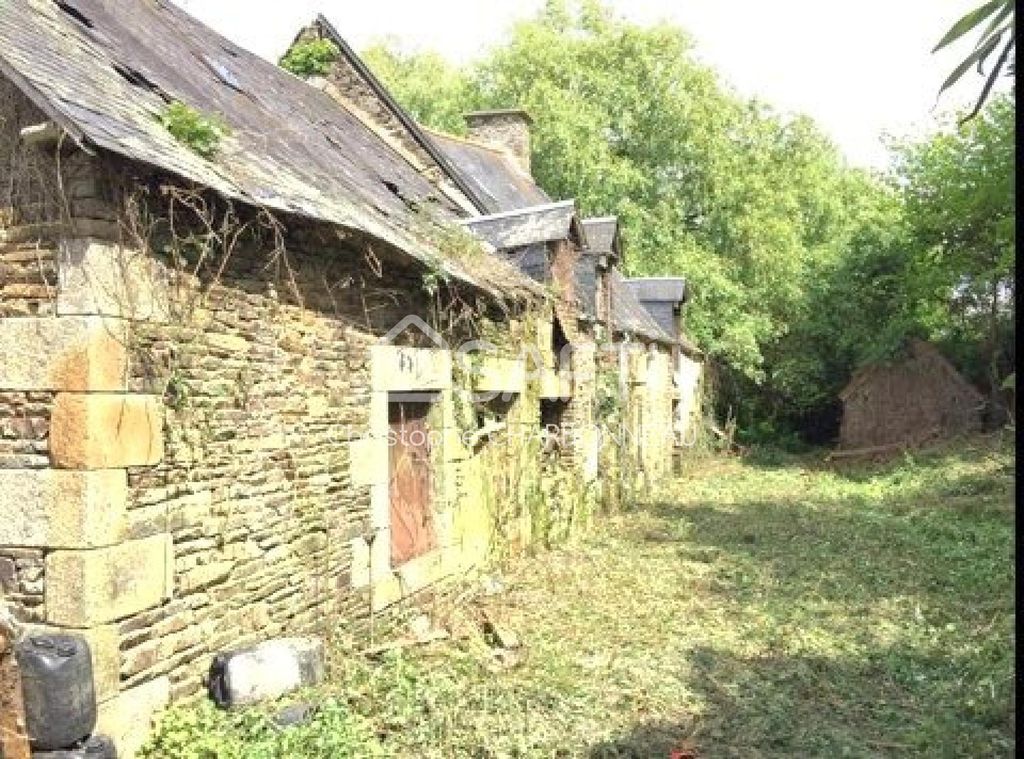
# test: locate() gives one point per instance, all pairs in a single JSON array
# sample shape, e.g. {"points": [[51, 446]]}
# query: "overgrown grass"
{"points": [[769, 607]]}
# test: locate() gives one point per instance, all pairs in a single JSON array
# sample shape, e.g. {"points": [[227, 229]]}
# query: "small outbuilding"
{"points": [[917, 397]]}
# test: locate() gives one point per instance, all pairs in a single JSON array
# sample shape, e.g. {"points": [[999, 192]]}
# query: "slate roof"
{"points": [[603, 235], [659, 289], [326, 30], [105, 70], [628, 315], [493, 176], [527, 226], [660, 296]]}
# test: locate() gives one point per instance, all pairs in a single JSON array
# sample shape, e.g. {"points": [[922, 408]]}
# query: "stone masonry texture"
{"points": [[230, 428]]}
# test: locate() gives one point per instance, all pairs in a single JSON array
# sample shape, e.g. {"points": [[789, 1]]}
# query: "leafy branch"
{"points": [[1001, 20]]}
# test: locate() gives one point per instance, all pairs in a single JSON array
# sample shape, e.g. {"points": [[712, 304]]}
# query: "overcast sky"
{"points": [[858, 68]]}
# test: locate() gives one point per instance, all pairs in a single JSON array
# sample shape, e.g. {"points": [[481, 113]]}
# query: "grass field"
{"points": [[770, 606]]}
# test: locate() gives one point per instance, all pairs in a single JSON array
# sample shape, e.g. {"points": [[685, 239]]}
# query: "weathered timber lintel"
{"points": [[42, 135]]}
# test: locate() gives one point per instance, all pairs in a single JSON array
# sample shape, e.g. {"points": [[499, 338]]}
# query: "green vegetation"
{"points": [[775, 606], [199, 133], [802, 268], [204, 732], [958, 269], [310, 58], [998, 19]]}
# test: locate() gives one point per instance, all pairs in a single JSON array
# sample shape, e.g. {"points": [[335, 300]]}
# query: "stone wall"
{"points": [[273, 481], [22, 581], [507, 130], [658, 432], [197, 461], [190, 464], [25, 429], [689, 389], [646, 439], [570, 487], [28, 276]]}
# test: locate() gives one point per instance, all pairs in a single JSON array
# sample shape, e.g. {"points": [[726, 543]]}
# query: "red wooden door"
{"points": [[412, 523]]}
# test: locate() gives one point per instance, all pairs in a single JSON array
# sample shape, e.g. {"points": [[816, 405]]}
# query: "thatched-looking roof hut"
{"points": [[918, 397]]}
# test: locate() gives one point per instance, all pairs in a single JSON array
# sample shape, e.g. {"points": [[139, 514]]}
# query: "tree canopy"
{"points": [[800, 266]]}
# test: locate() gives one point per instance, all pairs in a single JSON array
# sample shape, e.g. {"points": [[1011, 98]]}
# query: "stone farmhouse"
{"points": [[277, 360], [491, 168]]}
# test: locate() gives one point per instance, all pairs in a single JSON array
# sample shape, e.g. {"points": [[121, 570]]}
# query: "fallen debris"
{"points": [[460, 625], [421, 626], [266, 671], [295, 714], [407, 641], [492, 585], [498, 635], [507, 658], [95, 747]]}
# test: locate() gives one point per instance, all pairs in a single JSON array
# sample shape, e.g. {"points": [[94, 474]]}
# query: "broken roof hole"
{"points": [[134, 76], [226, 75], [392, 187], [72, 11]]}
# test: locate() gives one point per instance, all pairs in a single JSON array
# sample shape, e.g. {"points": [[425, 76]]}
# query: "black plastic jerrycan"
{"points": [[96, 747], [60, 699]]}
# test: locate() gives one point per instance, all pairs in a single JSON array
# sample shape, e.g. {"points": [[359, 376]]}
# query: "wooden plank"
{"points": [[47, 133], [869, 451], [887, 448], [411, 507]]}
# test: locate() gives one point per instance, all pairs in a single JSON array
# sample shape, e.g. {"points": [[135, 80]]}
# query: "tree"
{"points": [[431, 89], [998, 16], [958, 187], [800, 267]]}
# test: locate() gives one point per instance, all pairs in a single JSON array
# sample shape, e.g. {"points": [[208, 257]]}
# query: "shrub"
{"points": [[310, 58], [201, 134]]}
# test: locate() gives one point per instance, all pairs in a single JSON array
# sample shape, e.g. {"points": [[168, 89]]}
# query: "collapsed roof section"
{"points": [[106, 70]]}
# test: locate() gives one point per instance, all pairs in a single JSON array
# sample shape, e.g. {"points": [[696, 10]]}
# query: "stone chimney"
{"points": [[508, 130]]}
